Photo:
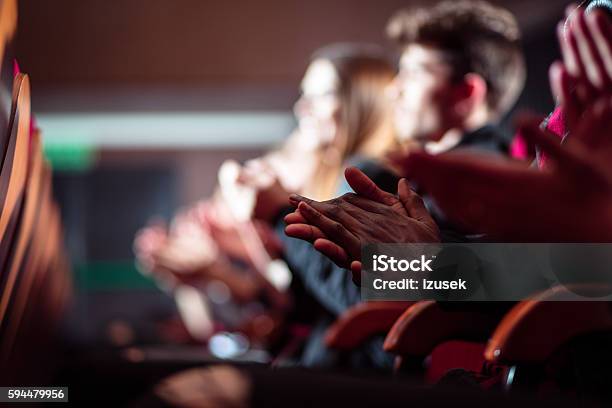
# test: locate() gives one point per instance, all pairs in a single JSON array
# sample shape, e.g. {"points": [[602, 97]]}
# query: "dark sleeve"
{"points": [[329, 284]]}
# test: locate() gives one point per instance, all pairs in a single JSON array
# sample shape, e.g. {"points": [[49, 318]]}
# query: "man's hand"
{"points": [[270, 195], [147, 242], [571, 201], [340, 227], [585, 74]]}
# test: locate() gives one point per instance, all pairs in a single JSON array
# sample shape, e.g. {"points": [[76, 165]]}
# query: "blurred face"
{"points": [[317, 109], [421, 94]]}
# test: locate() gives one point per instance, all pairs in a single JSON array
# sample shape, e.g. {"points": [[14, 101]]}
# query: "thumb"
{"points": [[365, 187], [413, 204], [550, 144], [356, 272]]}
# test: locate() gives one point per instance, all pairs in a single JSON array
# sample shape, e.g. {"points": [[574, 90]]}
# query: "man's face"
{"points": [[421, 94]]}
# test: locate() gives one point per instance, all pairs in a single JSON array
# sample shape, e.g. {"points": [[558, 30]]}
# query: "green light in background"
{"points": [[70, 156], [111, 275]]}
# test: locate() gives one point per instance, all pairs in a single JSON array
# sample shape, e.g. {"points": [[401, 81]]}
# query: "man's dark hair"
{"points": [[478, 38]]}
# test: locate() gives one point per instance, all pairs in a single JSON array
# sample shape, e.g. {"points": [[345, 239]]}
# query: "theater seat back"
{"points": [[433, 339], [555, 344], [362, 322], [535, 328]]}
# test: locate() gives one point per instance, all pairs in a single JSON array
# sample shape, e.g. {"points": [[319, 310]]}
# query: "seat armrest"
{"points": [[535, 328], [363, 321], [426, 324]]}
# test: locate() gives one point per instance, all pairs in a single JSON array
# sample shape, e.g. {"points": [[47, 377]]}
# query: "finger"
{"points": [[601, 30], [334, 209], [570, 9], [531, 129], [356, 272], [329, 208], [259, 166], [295, 199], [365, 187], [569, 59], [149, 238], [163, 261], [554, 76], [294, 218], [413, 203], [363, 203], [563, 85], [592, 62], [578, 45], [576, 54], [550, 144], [244, 178], [334, 252], [304, 232], [333, 230], [317, 219], [248, 176], [571, 34]]}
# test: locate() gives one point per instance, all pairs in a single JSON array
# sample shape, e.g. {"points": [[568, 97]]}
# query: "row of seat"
{"points": [[532, 345], [34, 275]]}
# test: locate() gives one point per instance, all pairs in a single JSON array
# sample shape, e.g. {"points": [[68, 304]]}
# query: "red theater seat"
{"points": [[534, 329], [556, 342], [12, 184], [34, 278], [20, 274], [8, 28], [362, 322], [428, 330]]}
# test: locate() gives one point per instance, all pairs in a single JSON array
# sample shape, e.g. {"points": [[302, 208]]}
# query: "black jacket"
{"points": [[332, 286]]}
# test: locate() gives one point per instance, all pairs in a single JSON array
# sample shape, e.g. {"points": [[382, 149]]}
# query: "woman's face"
{"points": [[317, 109]]}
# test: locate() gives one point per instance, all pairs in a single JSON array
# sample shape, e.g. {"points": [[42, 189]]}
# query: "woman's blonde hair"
{"points": [[364, 120]]}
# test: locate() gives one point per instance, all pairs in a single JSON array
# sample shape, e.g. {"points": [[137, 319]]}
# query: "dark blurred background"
{"points": [[141, 100]]}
